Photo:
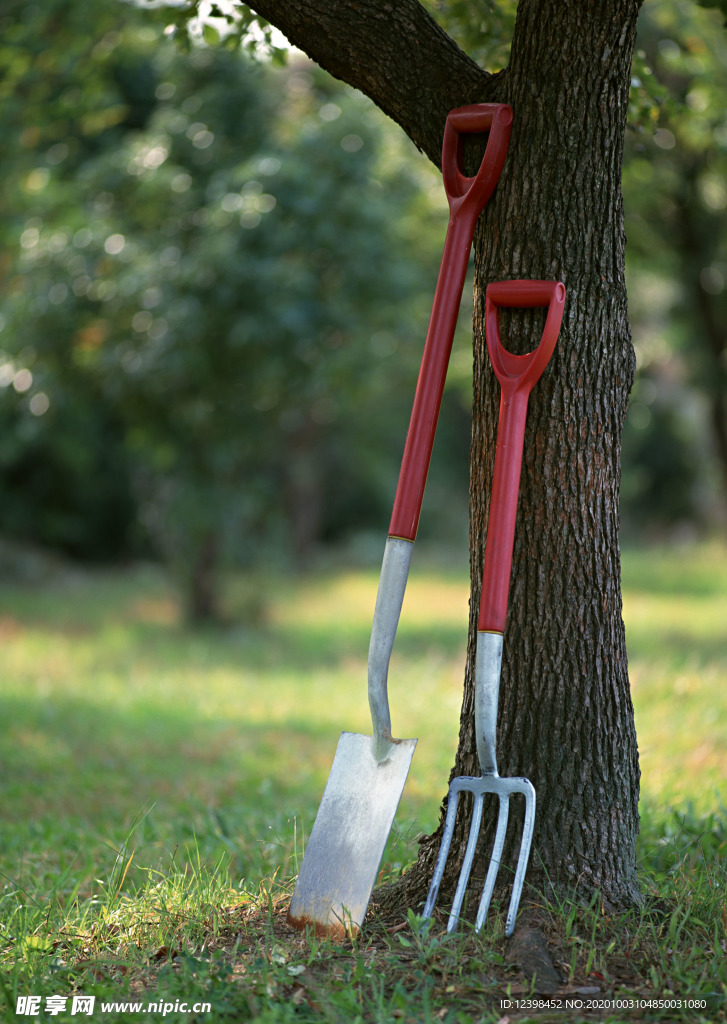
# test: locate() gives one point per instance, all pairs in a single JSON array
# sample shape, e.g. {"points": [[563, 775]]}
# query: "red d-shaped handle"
{"points": [[473, 193], [517, 376], [522, 372]]}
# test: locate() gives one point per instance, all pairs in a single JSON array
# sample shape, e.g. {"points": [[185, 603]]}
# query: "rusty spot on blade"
{"points": [[331, 931]]}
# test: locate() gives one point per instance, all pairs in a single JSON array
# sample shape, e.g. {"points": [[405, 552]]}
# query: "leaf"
{"points": [[210, 35], [36, 944], [165, 953]]}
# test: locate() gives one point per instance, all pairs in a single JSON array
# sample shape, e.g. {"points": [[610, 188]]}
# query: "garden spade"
{"points": [[362, 794], [517, 376]]}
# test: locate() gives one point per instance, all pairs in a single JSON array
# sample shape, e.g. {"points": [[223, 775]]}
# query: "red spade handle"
{"points": [[467, 198]]}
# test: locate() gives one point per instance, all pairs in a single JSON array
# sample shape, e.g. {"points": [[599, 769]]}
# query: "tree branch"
{"points": [[393, 51]]}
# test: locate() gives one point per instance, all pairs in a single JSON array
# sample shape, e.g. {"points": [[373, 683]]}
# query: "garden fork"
{"points": [[517, 376]]}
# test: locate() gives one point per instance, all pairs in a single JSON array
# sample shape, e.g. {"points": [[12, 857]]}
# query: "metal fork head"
{"points": [[478, 787]]}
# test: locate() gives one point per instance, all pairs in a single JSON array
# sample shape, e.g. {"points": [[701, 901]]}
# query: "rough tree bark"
{"points": [[566, 719]]}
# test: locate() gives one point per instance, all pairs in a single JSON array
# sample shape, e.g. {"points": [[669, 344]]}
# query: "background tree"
{"points": [[676, 199], [65, 478]]}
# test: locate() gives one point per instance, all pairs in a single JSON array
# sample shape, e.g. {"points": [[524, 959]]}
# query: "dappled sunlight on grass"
{"points": [[227, 736]]}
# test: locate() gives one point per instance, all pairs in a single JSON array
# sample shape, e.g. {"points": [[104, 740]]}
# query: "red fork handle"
{"points": [[517, 376], [467, 197]]}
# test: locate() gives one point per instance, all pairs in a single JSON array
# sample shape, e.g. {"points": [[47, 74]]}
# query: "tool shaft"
{"points": [[389, 599], [432, 375], [503, 509], [488, 664]]}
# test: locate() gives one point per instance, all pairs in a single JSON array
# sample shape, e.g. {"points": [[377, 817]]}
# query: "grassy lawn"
{"points": [[157, 786]]}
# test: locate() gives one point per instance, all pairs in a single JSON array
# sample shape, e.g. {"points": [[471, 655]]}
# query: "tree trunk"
{"points": [[697, 254], [566, 718], [202, 598], [303, 489]]}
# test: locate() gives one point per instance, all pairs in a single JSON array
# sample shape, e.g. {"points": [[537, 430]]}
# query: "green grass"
{"points": [[675, 609], [156, 788]]}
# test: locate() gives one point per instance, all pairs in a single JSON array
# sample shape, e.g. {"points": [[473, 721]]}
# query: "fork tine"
{"points": [[447, 834], [494, 862], [522, 861], [464, 875]]}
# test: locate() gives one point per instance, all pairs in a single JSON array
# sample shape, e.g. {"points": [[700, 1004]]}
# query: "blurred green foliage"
{"points": [[484, 30], [216, 285], [215, 277], [675, 445]]}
